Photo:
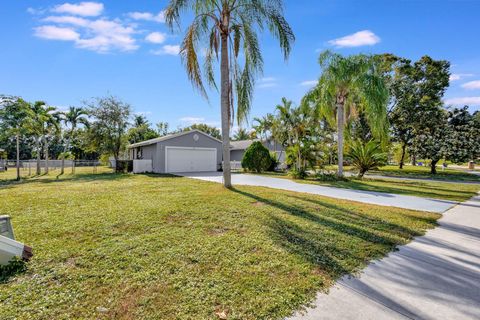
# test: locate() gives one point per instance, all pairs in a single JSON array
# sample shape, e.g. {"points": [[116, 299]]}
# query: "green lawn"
{"points": [[159, 247], [436, 190], [409, 171]]}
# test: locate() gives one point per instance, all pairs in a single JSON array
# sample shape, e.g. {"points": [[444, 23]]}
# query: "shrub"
{"points": [[256, 158], [273, 162], [366, 156], [14, 267], [298, 173]]}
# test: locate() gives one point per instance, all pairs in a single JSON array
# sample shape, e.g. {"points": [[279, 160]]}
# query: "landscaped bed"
{"points": [[160, 247]]}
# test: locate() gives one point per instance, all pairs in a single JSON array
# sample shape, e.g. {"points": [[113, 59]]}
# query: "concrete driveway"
{"points": [[436, 276], [378, 198]]}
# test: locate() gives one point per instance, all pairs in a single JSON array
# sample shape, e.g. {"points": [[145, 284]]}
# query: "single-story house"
{"points": [[191, 151], [238, 149]]}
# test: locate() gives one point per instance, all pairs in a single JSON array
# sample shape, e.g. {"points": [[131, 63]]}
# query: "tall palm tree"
{"points": [[14, 112], [42, 123], [347, 86], [229, 27], [241, 134], [72, 118]]}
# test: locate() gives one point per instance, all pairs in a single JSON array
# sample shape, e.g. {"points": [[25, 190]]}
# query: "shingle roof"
{"points": [[168, 137], [242, 144]]}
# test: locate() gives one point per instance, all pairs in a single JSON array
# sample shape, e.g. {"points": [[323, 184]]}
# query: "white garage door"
{"points": [[179, 159]]}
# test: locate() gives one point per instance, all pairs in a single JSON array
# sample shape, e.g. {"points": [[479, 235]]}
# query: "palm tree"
{"points": [[72, 118], [241, 134], [43, 122], [347, 86], [228, 27], [14, 113]]}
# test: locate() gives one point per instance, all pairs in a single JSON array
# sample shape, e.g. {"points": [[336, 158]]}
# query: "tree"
{"points": [[463, 139], [417, 90], [228, 27], [72, 118], [366, 155], [109, 126], [14, 113], [241, 134], [256, 158], [141, 130], [43, 125], [347, 86], [214, 132], [430, 140], [162, 128]]}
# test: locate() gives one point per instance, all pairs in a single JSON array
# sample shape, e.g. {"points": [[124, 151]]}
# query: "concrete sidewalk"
{"points": [[378, 198], [436, 276]]}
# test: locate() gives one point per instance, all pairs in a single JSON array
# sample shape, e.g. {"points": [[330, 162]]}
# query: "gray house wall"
{"points": [[156, 152], [237, 155]]}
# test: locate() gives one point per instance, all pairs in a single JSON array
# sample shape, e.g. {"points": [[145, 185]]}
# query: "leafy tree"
{"points": [[347, 86], [109, 126], [416, 89], [430, 141], [14, 113], [72, 118], [241, 134], [214, 132], [366, 156], [256, 158], [463, 139], [44, 126], [229, 27], [141, 130], [162, 128], [264, 127]]}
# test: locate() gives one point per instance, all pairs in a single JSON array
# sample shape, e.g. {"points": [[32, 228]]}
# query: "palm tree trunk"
{"points": [[402, 160], [46, 156], [38, 158], [18, 156], [225, 111], [340, 127], [62, 169]]}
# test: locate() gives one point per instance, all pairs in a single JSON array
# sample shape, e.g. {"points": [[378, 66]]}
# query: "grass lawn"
{"points": [[113, 246], [418, 172], [436, 190]]}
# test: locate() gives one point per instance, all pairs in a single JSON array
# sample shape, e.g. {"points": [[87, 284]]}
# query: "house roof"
{"points": [[168, 137], [242, 144]]}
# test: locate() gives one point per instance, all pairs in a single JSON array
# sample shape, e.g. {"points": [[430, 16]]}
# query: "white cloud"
{"points": [[156, 37], [57, 33], [192, 120], [472, 85], [458, 76], [309, 83], [147, 16], [101, 35], [167, 50], [358, 39], [267, 82], [86, 9], [76, 21], [461, 101]]}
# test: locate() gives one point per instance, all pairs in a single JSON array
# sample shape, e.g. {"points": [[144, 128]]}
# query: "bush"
{"points": [[274, 162], [256, 158], [298, 174], [366, 156], [14, 267]]}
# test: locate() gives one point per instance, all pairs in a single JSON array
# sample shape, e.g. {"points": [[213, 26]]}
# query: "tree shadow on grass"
{"points": [[337, 240]]}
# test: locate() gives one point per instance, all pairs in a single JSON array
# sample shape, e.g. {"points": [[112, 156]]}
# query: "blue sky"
{"points": [[66, 52]]}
